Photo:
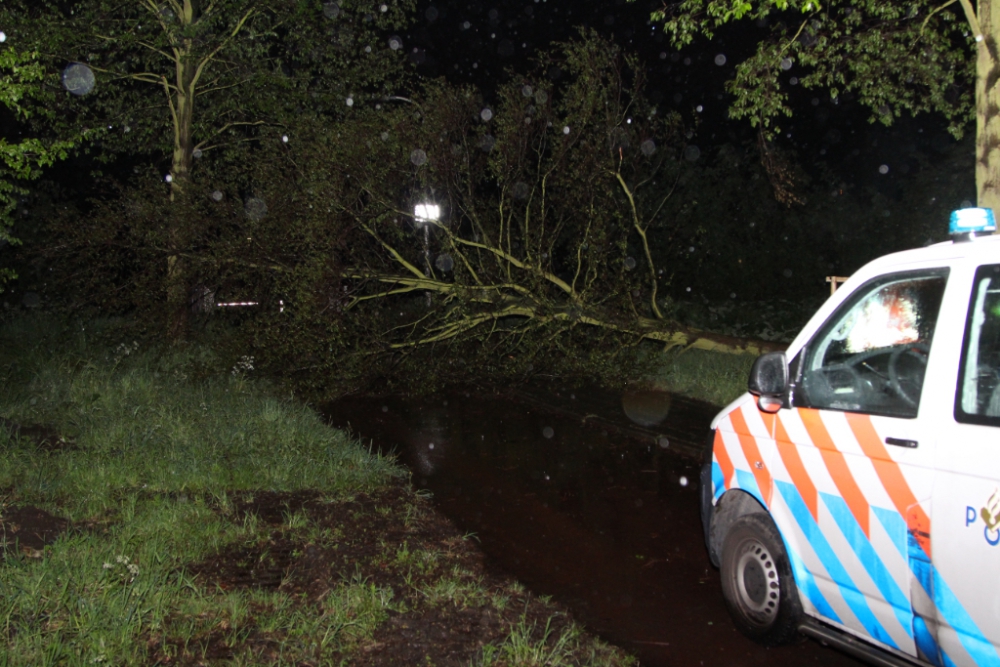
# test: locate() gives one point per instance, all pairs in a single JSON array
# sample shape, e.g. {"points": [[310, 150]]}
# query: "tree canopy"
{"points": [[894, 57]]}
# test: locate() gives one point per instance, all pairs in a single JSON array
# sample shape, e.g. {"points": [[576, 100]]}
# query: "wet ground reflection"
{"points": [[605, 523]]}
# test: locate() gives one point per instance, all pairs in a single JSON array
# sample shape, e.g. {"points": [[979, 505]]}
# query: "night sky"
{"points": [[477, 41]]}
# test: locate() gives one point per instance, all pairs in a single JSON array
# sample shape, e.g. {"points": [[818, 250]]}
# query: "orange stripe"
{"points": [[722, 456], [893, 479], [836, 463], [789, 453], [752, 454]]}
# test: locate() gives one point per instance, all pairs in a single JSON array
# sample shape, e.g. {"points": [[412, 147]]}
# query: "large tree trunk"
{"points": [[987, 110]]}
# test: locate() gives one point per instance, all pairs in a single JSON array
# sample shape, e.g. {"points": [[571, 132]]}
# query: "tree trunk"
{"points": [[987, 110], [178, 301]]}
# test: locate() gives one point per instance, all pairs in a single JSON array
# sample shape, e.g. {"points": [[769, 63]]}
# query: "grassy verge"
{"points": [[709, 376], [189, 514]]}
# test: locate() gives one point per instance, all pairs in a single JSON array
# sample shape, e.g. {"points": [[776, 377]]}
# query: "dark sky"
{"points": [[475, 41]]}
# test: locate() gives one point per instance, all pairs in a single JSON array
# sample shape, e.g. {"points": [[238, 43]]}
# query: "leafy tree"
{"points": [[539, 257], [22, 160], [182, 81], [895, 57]]}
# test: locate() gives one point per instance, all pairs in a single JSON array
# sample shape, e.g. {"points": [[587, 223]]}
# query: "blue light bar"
{"points": [[972, 221]]}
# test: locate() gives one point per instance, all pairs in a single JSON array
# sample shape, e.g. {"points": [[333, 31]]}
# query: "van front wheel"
{"points": [[757, 582]]}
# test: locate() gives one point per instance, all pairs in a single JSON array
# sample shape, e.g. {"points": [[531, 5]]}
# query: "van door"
{"points": [[966, 507], [850, 440]]}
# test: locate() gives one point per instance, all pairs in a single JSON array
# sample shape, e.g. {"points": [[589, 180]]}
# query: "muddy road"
{"points": [[602, 518]]}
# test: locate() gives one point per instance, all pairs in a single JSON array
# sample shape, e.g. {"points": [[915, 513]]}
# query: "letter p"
{"points": [[970, 516]]}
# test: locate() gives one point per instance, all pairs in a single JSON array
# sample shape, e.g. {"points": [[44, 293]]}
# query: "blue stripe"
{"points": [[718, 481], [748, 483], [894, 525], [871, 561], [954, 614], [803, 577], [848, 591]]}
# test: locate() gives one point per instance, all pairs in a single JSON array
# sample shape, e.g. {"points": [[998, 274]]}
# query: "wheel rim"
{"points": [[757, 583]]}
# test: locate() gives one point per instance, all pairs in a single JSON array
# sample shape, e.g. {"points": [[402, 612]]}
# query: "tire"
{"points": [[757, 582]]}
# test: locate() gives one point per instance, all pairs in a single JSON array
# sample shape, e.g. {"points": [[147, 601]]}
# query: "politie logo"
{"points": [[990, 514]]}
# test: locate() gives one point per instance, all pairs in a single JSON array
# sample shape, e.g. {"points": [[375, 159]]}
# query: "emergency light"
{"points": [[968, 223]]}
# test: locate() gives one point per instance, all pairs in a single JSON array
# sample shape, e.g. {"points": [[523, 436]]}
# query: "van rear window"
{"points": [[977, 400]]}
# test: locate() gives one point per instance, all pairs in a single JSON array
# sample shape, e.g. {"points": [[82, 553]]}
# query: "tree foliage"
{"points": [[548, 199], [894, 57], [23, 158]]}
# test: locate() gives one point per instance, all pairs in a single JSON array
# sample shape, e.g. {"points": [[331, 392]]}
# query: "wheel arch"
{"points": [[733, 504]]}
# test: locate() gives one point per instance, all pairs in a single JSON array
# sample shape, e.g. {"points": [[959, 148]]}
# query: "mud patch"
{"points": [[28, 529], [448, 602]]}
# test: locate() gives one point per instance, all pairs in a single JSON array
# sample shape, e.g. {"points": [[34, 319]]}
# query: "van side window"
{"points": [[977, 400], [871, 355]]}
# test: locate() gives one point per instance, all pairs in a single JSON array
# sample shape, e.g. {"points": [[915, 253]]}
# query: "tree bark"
{"points": [[987, 107]]}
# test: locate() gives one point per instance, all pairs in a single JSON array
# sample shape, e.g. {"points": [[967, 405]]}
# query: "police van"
{"points": [[853, 494]]}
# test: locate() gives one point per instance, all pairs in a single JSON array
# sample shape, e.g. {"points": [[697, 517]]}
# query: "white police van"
{"points": [[853, 494]]}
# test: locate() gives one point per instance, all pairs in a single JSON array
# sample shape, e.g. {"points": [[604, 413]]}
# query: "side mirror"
{"points": [[769, 381]]}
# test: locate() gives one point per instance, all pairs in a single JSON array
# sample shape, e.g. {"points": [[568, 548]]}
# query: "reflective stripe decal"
{"points": [[892, 479], [837, 465], [753, 456], [969, 634], [789, 454], [834, 568], [722, 458]]}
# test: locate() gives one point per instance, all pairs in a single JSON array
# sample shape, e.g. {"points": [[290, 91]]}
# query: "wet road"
{"points": [[605, 522]]}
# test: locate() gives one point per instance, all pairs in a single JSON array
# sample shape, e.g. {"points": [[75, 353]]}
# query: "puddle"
{"points": [[605, 522]]}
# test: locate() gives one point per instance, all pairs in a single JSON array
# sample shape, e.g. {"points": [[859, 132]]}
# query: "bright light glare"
{"points": [[427, 212]]}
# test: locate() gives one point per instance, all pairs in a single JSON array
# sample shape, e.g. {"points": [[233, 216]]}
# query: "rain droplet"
{"points": [[883, 169], [418, 157], [487, 142], [787, 273], [78, 79], [692, 153], [168, 178], [331, 10], [444, 263], [284, 138], [466, 25], [383, 8], [196, 153], [699, 108], [648, 147], [548, 432], [526, 91], [431, 14], [663, 442], [3, 37], [217, 195], [794, 81], [683, 480], [786, 64], [732, 295], [255, 208], [566, 129], [541, 97], [520, 190], [629, 263], [350, 101], [966, 204], [430, 446], [385, 408], [486, 114], [395, 43], [720, 59]]}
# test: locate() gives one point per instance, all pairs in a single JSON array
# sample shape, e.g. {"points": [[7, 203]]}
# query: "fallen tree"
{"points": [[511, 236]]}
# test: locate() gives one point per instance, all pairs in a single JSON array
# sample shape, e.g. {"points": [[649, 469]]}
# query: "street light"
{"points": [[423, 215]]}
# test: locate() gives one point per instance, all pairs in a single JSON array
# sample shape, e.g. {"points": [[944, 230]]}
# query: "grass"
{"points": [[715, 377], [166, 449]]}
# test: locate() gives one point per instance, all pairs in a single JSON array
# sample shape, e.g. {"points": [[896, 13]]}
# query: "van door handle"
{"points": [[901, 442]]}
